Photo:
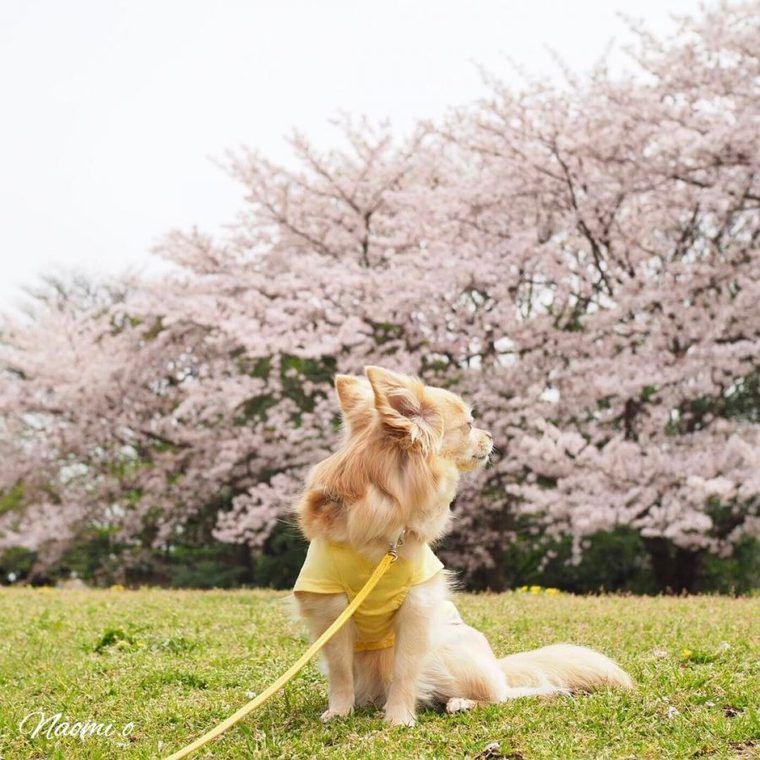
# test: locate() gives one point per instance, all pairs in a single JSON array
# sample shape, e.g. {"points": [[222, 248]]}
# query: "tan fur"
{"points": [[398, 468]]}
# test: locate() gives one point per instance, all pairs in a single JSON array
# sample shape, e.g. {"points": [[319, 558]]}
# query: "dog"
{"points": [[391, 483]]}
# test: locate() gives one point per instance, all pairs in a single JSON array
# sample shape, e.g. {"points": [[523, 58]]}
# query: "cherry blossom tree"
{"points": [[580, 261]]}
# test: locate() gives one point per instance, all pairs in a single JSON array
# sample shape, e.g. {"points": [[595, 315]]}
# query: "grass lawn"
{"points": [[174, 663]]}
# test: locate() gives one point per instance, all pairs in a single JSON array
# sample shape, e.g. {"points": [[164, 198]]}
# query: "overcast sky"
{"points": [[112, 112]]}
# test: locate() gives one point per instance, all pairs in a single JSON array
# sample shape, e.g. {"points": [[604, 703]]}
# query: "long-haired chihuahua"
{"points": [[391, 483]]}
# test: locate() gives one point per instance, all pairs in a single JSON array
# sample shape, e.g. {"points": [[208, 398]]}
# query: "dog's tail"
{"points": [[565, 666]]}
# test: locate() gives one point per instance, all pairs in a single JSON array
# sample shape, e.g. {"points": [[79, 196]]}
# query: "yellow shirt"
{"points": [[336, 569]]}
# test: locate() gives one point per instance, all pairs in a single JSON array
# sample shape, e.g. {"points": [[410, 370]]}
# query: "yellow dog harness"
{"points": [[332, 568]]}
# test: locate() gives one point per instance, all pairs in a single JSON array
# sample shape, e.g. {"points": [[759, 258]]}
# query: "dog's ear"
{"points": [[405, 411], [351, 391], [356, 402]]}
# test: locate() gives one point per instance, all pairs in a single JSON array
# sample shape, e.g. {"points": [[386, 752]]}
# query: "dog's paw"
{"points": [[459, 704], [336, 712], [399, 717]]}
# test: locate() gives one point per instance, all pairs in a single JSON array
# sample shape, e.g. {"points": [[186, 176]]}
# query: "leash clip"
{"points": [[396, 545]]}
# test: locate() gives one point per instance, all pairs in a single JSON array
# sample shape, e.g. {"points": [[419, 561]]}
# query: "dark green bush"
{"points": [[618, 561]]}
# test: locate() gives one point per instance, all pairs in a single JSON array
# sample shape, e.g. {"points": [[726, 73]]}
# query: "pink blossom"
{"points": [[580, 262]]}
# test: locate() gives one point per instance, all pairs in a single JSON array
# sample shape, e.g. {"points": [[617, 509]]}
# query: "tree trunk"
{"points": [[675, 569]]}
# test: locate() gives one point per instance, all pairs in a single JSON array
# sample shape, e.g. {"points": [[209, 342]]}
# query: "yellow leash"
{"points": [[336, 625]]}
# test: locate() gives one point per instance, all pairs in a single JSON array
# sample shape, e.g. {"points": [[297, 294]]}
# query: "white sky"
{"points": [[111, 112]]}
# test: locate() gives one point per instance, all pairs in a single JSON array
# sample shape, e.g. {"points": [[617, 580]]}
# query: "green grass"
{"points": [[175, 663]]}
